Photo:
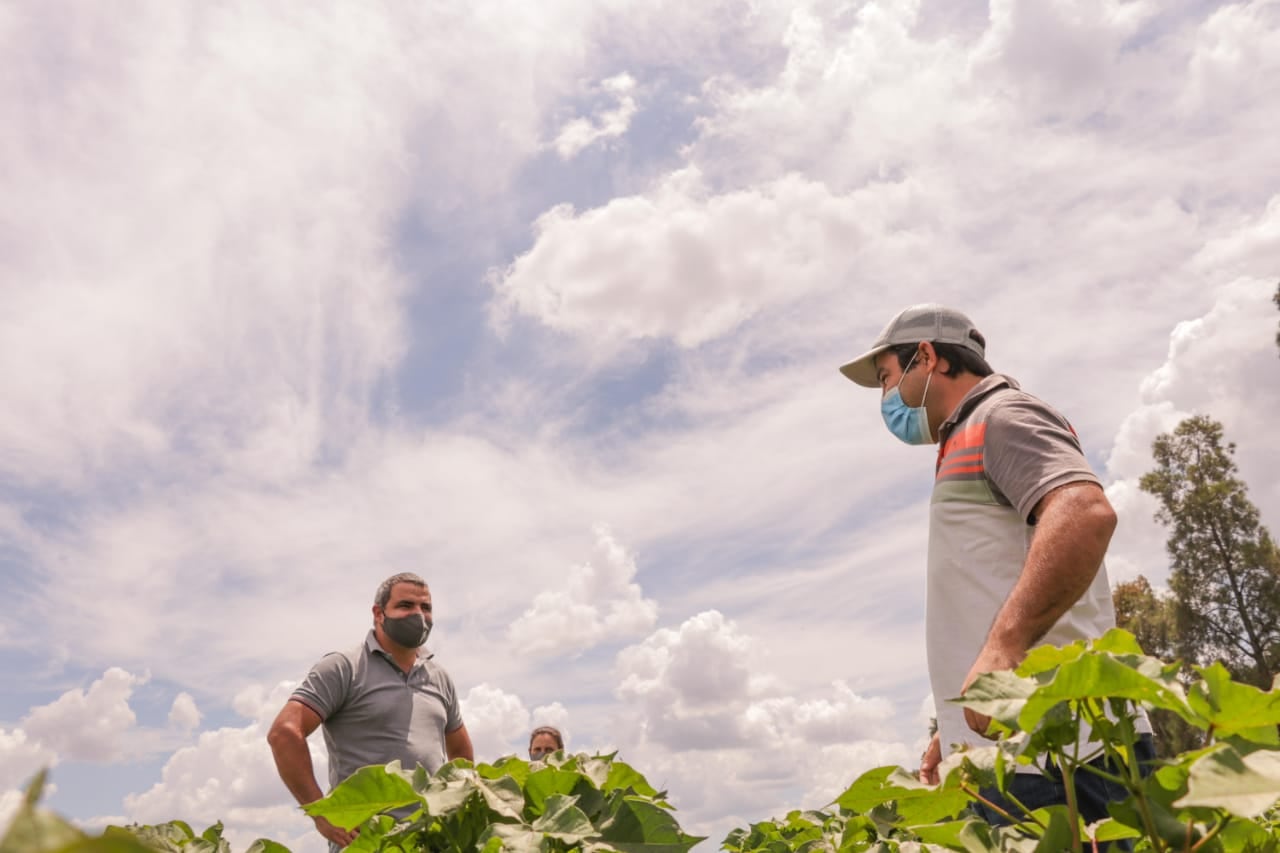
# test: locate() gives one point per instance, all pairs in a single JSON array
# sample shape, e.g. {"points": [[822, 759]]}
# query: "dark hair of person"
{"points": [[960, 359], [547, 730], [384, 589]]}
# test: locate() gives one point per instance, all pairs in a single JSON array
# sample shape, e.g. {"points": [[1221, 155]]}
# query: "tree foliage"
{"points": [[1225, 566], [1152, 618]]}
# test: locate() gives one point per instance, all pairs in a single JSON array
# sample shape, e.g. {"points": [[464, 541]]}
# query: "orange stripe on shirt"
{"points": [[970, 437], [948, 472]]}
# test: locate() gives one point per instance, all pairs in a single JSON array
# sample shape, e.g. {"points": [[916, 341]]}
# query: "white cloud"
{"points": [[696, 687], [1235, 52], [184, 714], [682, 262], [88, 725], [581, 133], [599, 602], [20, 759], [229, 774], [496, 721]]}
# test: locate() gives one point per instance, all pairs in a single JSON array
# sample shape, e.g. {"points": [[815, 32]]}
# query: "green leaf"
{"points": [[367, 792], [916, 802], [372, 832], [1047, 658], [443, 798], [1002, 696], [545, 783], [1099, 675], [503, 797], [1057, 833], [1234, 708], [969, 835], [563, 819], [1243, 784], [1111, 829], [266, 845], [35, 830], [509, 766], [637, 824], [1118, 641], [624, 776]]}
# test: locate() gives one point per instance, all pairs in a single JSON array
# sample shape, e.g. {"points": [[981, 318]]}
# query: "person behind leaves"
{"points": [[543, 741]]}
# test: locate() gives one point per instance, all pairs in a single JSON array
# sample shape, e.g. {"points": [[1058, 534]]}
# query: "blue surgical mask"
{"points": [[908, 423]]}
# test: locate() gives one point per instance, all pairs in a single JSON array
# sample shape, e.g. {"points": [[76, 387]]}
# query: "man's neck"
{"points": [[954, 392]]}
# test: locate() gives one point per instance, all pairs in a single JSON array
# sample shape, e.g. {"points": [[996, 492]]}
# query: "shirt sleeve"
{"points": [[1030, 451], [325, 688]]}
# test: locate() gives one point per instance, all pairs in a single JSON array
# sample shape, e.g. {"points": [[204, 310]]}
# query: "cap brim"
{"points": [[862, 369]]}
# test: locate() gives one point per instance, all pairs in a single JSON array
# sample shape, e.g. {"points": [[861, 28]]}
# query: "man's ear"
{"points": [[929, 357]]}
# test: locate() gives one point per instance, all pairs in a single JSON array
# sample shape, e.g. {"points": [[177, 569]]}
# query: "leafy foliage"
{"points": [[1221, 797], [1225, 566]]}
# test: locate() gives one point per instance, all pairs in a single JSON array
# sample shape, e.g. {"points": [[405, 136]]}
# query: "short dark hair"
{"points": [[383, 595], [547, 730], [960, 359]]}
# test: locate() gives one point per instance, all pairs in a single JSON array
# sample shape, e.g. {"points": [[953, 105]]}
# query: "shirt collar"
{"points": [[988, 384]]}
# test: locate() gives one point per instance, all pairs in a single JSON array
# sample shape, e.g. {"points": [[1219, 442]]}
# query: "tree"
{"points": [[1152, 618], [1225, 566]]}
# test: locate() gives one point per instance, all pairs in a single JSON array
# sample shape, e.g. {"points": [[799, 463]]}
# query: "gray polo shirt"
{"points": [[374, 713]]}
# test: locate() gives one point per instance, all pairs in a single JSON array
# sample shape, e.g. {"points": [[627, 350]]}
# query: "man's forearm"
{"points": [[1070, 542], [293, 762]]}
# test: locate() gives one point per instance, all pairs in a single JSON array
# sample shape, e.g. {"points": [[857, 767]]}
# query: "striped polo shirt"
{"points": [[1000, 452]]}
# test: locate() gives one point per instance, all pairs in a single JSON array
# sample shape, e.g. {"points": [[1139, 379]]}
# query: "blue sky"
{"points": [[545, 302]]}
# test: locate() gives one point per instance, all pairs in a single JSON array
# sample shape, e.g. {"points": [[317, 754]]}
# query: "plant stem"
{"points": [[1218, 827], [1073, 808], [1006, 815]]}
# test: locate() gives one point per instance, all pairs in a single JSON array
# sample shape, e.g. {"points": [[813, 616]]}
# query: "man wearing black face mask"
{"points": [[381, 701]]}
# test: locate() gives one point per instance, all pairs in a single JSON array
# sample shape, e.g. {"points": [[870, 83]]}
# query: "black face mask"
{"points": [[408, 631]]}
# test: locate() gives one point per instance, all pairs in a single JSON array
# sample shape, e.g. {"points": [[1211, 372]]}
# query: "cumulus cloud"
{"points": [[184, 713], [682, 262], [599, 601], [581, 133], [228, 774], [496, 721], [695, 687], [20, 759], [88, 725]]}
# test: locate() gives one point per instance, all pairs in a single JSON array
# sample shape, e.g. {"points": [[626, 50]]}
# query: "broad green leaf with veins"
{"points": [[1243, 784], [1235, 708], [365, 793]]}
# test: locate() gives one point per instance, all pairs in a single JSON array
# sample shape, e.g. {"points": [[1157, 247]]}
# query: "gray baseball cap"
{"points": [[929, 322]]}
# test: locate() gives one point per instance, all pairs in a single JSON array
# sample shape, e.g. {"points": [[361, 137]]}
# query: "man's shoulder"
{"points": [[1011, 402], [351, 657]]}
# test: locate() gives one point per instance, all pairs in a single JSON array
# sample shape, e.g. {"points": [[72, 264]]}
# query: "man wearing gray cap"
{"points": [[384, 700], [1018, 523]]}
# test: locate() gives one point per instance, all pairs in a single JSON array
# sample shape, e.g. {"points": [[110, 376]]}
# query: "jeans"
{"points": [[1093, 793]]}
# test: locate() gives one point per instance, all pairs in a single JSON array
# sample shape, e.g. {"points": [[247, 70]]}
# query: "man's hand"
{"points": [[990, 659], [336, 834], [930, 760]]}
